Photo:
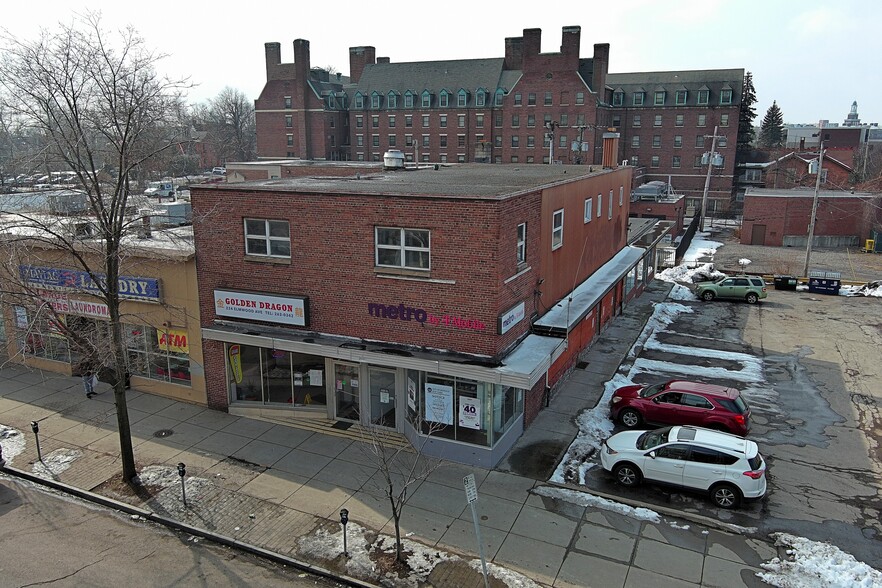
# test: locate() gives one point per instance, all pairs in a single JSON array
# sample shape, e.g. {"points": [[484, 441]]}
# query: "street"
{"points": [[49, 538], [815, 409]]}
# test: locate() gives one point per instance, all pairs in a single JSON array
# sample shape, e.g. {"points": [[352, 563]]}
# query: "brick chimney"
{"points": [[601, 68], [273, 57], [610, 150], [532, 42], [570, 40], [382, 60], [301, 58], [514, 53], [359, 57]]}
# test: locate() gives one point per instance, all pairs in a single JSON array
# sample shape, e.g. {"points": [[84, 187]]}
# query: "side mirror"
{"points": [[651, 454], [656, 399]]}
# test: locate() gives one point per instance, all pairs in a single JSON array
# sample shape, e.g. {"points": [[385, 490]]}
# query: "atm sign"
{"points": [[173, 340]]}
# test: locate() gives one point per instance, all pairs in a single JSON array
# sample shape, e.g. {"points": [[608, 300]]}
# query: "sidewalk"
{"points": [[269, 484]]}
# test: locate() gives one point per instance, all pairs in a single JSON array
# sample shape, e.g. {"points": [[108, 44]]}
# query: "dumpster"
{"points": [[824, 282], [785, 283]]}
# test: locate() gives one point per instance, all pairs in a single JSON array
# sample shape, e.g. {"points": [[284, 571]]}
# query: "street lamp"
{"points": [[711, 158]]}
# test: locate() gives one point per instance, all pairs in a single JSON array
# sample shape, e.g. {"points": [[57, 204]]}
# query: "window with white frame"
{"points": [[580, 98], [724, 120], [654, 161], [287, 102], [588, 206], [621, 195], [557, 229], [392, 100], [375, 100], [426, 99], [635, 141], [408, 100], [269, 238], [403, 248], [609, 206], [443, 100], [522, 243], [637, 98], [359, 101], [599, 205]]}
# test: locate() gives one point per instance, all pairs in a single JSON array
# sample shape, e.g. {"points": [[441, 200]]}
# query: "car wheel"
{"points": [[751, 298], [627, 474], [726, 496], [630, 418], [707, 295]]}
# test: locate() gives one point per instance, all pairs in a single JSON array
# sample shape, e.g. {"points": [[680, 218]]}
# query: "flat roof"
{"points": [[488, 181], [806, 193]]}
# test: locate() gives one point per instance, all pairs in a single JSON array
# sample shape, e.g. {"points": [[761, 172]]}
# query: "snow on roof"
{"points": [[574, 307]]}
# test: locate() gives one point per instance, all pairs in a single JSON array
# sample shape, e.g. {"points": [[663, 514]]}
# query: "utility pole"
{"points": [[550, 125], [711, 155], [811, 230]]}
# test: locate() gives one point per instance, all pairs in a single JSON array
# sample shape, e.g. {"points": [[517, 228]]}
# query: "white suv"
{"points": [[726, 466]]}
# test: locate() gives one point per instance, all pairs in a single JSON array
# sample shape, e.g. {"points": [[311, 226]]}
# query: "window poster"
{"points": [[470, 412], [411, 394], [315, 378], [21, 317], [439, 403]]}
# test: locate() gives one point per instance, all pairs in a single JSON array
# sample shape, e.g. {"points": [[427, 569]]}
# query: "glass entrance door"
{"points": [[382, 392], [346, 392]]}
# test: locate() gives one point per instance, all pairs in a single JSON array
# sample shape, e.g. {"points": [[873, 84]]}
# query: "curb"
{"points": [[179, 526]]}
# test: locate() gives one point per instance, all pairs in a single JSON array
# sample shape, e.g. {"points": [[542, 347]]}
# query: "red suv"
{"points": [[678, 402]]}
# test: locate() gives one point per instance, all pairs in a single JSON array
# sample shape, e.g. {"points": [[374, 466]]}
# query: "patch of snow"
{"points": [[588, 499], [12, 441], [812, 563], [690, 275], [159, 475], [56, 462], [330, 545], [748, 373], [743, 262], [508, 577], [680, 292], [700, 247], [678, 526]]}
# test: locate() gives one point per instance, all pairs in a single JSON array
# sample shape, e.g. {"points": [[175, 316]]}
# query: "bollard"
{"points": [[182, 471], [2, 463], [35, 427], [344, 518]]}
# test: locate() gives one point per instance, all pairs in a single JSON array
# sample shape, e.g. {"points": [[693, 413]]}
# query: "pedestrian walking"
{"points": [[87, 371]]}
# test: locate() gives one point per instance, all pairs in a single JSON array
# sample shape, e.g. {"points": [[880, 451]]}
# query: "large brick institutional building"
{"points": [[524, 107]]}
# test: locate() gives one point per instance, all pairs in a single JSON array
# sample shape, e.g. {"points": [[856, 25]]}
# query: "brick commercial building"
{"points": [[445, 296], [524, 107], [782, 217]]}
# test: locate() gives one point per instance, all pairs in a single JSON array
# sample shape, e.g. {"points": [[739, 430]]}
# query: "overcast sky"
{"points": [[814, 57]]}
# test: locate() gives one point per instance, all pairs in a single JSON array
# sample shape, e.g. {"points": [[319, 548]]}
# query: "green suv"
{"points": [[747, 288]]}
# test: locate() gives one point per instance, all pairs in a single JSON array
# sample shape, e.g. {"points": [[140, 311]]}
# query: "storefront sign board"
{"points": [[136, 288], [289, 310]]}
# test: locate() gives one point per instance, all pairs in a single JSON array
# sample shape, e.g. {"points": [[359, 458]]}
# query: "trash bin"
{"points": [[824, 282], [785, 283]]}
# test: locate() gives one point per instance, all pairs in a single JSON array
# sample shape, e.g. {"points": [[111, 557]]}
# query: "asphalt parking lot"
{"points": [[816, 410]]}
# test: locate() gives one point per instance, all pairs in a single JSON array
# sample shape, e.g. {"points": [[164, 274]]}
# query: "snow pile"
{"points": [[700, 247], [704, 272], [165, 476], [663, 314], [873, 288], [744, 262], [508, 577], [587, 499], [56, 462], [12, 441], [330, 545], [680, 292], [811, 564]]}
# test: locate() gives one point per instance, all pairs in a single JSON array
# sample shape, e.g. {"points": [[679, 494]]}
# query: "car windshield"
{"points": [[651, 390], [651, 439]]}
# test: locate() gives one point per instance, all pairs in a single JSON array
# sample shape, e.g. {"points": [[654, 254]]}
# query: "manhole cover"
{"points": [[163, 433], [582, 365]]}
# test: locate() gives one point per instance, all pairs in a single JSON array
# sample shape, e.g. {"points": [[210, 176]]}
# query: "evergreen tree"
{"points": [[746, 134], [772, 133]]}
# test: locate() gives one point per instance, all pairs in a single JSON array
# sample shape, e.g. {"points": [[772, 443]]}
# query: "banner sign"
{"points": [[509, 319], [173, 340], [289, 310], [236, 363], [135, 288]]}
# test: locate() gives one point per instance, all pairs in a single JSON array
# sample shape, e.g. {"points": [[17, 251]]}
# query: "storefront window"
{"points": [[463, 410], [158, 354], [271, 376], [43, 337]]}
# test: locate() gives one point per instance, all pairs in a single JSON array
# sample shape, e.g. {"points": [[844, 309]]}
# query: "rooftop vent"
{"points": [[393, 159]]}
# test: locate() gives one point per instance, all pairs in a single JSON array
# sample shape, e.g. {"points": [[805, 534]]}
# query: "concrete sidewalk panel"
{"points": [[439, 498], [505, 485], [148, 427], [223, 443], [580, 570], [274, 485], [149, 403], [327, 445], [691, 538], [346, 475], [739, 549], [538, 560], [494, 512], [181, 411], [262, 453], [231, 475], [605, 542], [613, 520], [425, 524], [452, 474], [82, 434], [302, 463], [213, 419], [288, 436], [153, 451], [461, 537], [318, 498], [638, 578], [186, 435], [543, 526], [668, 560], [722, 573], [251, 428]]}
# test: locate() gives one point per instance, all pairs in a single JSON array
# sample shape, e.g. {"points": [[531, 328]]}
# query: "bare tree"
{"points": [[229, 121], [103, 111], [401, 466]]}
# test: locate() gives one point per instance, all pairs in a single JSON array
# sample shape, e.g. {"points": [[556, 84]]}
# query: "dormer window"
{"points": [[480, 98], [659, 98], [462, 98], [618, 98], [443, 100], [426, 99], [680, 97], [392, 100], [359, 100], [703, 95], [375, 101], [499, 94], [408, 99], [726, 96], [638, 98]]}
